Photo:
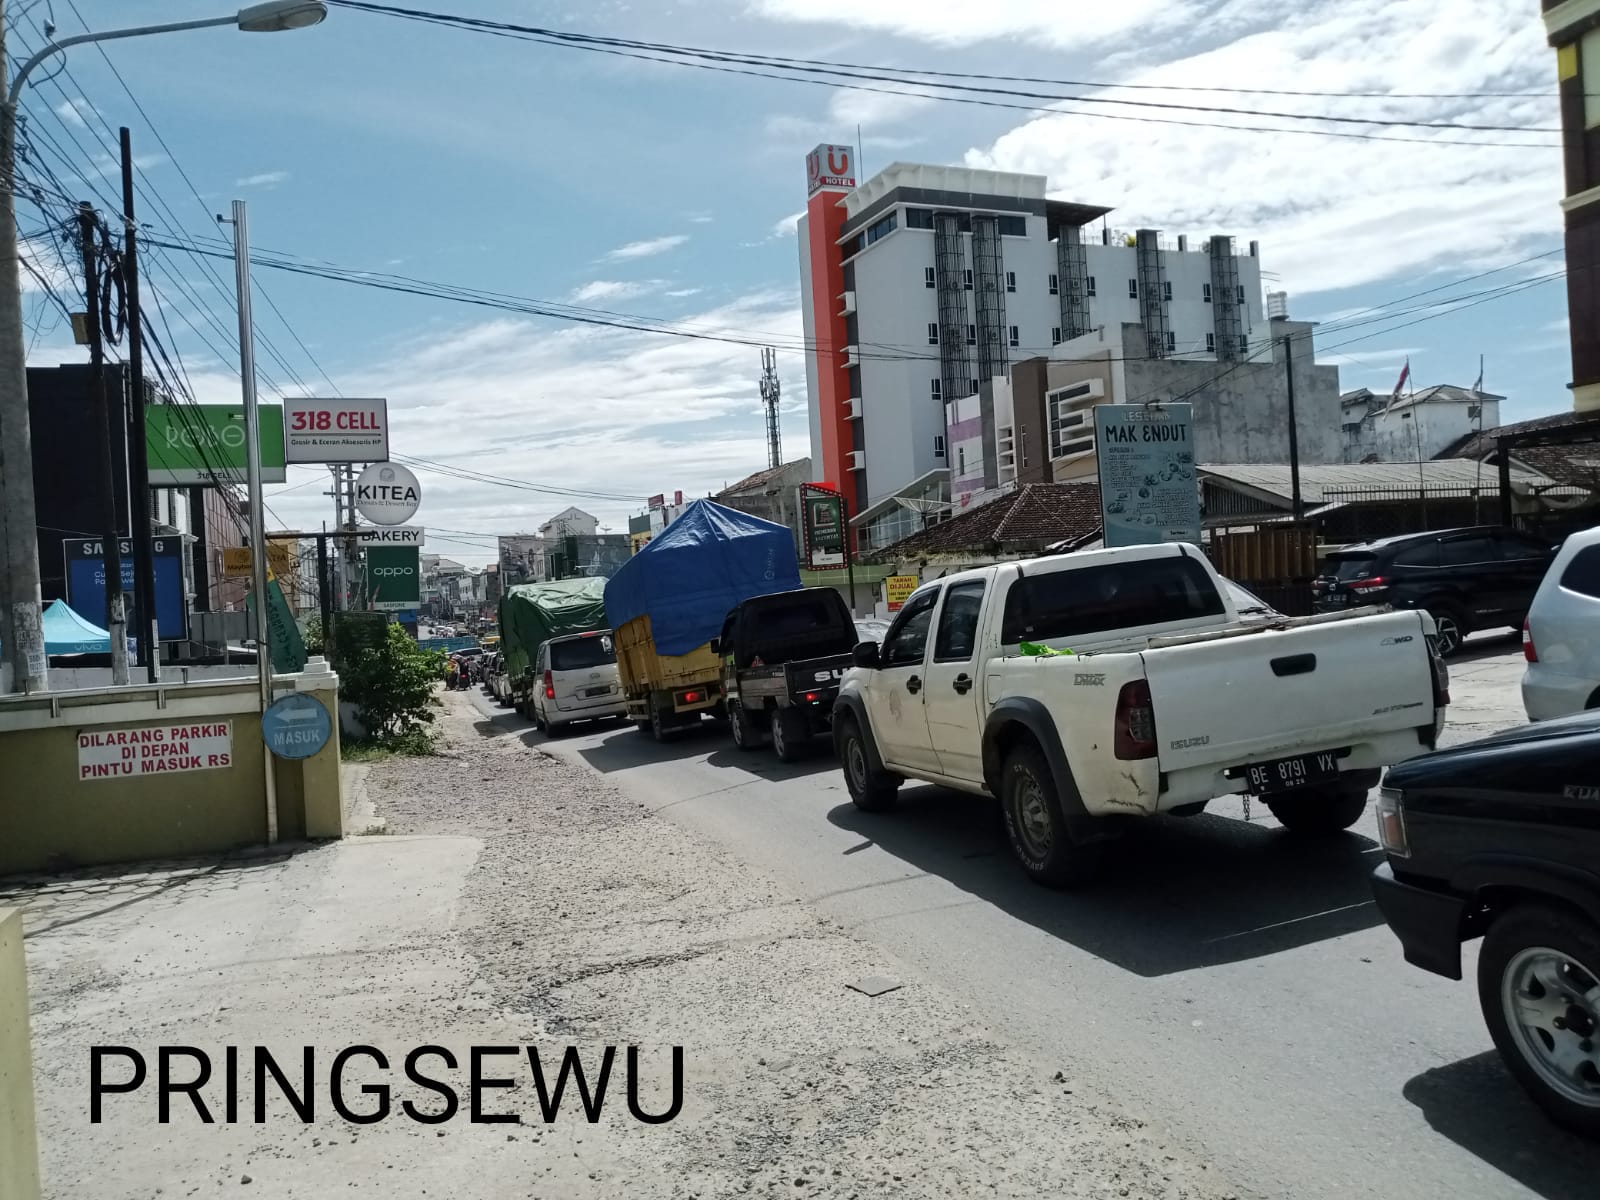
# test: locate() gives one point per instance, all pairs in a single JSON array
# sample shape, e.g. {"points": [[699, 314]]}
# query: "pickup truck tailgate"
{"points": [[1275, 692]]}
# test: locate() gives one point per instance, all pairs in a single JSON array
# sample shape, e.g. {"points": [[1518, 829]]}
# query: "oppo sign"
{"points": [[388, 494]]}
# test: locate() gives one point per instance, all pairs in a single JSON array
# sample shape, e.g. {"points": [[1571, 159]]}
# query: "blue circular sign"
{"points": [[296, 726]]}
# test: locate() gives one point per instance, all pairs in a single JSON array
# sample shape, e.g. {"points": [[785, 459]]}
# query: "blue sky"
{"points": [[655, 190]]}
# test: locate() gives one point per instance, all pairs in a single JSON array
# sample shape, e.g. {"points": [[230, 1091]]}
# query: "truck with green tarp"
{"points": [[533, 613]]}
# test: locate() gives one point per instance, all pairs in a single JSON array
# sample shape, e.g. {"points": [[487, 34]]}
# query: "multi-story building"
{"points": [[773, 494], [1379, 428], [924, 283]]}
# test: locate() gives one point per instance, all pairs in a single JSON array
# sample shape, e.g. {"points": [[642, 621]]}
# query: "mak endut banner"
{"points": [[203, 444]]}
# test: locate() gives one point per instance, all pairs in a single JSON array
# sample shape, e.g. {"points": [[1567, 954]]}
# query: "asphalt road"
{"points": [[1236, 988]]}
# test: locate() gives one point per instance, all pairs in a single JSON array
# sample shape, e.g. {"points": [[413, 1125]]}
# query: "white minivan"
{"points": [[577, 681], [1561, 637]]}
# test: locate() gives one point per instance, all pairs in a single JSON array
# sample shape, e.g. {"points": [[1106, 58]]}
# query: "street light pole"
{"points": [[23, 663], [252, 450]]}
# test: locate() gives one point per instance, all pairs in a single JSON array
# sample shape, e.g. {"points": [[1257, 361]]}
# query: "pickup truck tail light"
{"points": [[549, 685], [1392, 823], [1441, 679], [1136, 722], [1529, 650]]}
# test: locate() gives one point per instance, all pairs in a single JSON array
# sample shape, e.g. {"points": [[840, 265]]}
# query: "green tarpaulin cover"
{"points": [[533, 613]]}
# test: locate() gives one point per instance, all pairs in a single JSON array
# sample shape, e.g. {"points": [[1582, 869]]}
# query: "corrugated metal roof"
{"points": [[1317, 480]]}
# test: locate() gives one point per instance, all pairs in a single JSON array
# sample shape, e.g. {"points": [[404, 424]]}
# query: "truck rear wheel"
{"points": [[745, 735], [1036, 827], [1319, 811], [659, 728], [789, 734], [872, 791]]}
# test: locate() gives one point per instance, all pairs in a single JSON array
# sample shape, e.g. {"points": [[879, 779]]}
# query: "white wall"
{"points": [[1440, 422]]}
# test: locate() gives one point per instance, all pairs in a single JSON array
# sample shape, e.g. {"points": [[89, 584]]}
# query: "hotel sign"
{"points": [[832, 167]]}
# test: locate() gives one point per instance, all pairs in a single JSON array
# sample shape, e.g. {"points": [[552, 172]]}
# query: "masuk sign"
{"points": [[387, 494]]}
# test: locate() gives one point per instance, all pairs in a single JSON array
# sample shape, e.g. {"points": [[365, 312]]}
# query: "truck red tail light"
{"points": [[1136, 722], [1376, 584], [1529, 650], [692, 697], [549, 685]]}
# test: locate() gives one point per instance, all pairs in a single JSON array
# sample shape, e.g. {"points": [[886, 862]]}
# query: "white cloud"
{"points": [[264, 179], [700, 218], [612, 289], [75, 111], [679, 293], [960, 22], [647, 248], [874, 109], [786, 226], [587, 408], [1331, 213]]}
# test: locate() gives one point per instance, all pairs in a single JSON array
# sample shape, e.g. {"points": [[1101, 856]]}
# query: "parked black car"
{"points": [[782, 658], [1500, 838], [1482, 577]]}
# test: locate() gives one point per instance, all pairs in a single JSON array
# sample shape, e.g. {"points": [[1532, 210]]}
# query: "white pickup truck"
{"points": [[1167, 701]]}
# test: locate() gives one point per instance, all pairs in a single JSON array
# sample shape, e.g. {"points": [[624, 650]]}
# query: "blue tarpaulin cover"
{"points": [[692, 574]]}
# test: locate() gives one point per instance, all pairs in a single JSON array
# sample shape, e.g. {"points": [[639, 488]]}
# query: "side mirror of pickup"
{"points": [[866, 655], [716, 646]]}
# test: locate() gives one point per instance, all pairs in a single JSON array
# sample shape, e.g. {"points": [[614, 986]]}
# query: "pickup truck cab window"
{"points": [[958, 622], [1131, 593], [907, 639], [952, 690]]}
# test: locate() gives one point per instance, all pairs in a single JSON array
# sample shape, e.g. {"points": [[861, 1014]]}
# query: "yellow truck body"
{"points": [[679, 683]]}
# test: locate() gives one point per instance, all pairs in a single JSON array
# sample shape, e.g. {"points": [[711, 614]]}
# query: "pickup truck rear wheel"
{"points": [[1035, 826], [872, 791], [745, 735], [1319, 810], [789, 734], [1539, 988]]}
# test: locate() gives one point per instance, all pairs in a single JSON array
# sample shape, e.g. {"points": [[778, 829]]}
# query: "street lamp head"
{"points": [[279, 15]]}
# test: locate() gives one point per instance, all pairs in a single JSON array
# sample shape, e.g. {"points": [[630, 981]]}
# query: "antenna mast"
{"points": [[769, 397]]}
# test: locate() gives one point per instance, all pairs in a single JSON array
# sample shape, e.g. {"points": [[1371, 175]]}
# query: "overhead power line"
{"points": [[835, 75]]}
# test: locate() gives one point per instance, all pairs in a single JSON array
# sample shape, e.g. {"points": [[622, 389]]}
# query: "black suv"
{"points": [[1467, 579]]}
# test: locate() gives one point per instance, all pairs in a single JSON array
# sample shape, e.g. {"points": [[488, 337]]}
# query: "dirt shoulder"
{"points": [[590, 922]]}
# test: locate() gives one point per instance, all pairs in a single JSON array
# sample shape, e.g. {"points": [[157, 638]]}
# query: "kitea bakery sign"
{"points": [[154, 750]]}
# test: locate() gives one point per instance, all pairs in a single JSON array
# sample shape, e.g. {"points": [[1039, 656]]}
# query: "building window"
{"points": [[1244, 343], [1205, 292], [1089, 288], [1172, 341], [966, 279], [935, 390], [1211, 343], [1016, 339], [938, 446], [1012, 226], [919, 218], [1011, 281], [880, 228], [1166, 289], [933, 333], [1055, 286], [974, 390], [961, 460], [1055, 335], [1133, 289], [972, 335], [1241, 293], [930, 280]]}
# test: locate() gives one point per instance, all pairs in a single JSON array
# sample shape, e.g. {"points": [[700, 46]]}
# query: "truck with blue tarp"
{"points": [[667, 604]]}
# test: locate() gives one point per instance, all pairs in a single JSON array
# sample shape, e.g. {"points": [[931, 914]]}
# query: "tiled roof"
{"points": [[759, 480], [1034, 515], [1577, 463]]}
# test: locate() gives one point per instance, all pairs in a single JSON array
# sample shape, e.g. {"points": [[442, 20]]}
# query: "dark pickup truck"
{"points": [[1500, 839], [782, 658]]}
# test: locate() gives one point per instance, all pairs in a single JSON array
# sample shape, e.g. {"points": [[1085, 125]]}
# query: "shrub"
{"points": [[391, 684]]}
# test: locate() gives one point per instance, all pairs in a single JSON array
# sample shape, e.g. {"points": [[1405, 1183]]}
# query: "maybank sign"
{"points": [[400, 535]]}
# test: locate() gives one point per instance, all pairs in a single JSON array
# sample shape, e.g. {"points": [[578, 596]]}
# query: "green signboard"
{"points": [[286, 647], [203, 444], [824, 529], [394, 577]]}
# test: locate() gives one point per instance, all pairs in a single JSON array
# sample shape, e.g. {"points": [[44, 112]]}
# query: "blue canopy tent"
{"points": [[65, 632]]}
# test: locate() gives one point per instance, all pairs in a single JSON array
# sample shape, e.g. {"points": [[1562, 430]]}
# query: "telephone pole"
{"points": [[111, 537], [24, 668], [144, 578]]}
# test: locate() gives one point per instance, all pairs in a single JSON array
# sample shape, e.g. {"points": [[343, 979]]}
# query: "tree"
{"points": [[391, 685]]}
